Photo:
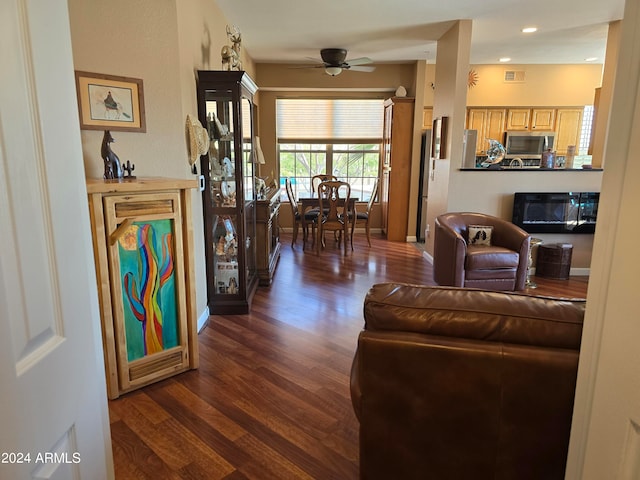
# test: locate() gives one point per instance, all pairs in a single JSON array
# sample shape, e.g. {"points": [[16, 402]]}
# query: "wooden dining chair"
{"points": [[311, 217], [317, 179], [333, 199], [362, 218]]}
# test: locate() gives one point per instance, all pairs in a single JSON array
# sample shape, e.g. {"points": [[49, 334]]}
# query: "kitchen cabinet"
{"points": [[268, 235], [143, 252], [543, 119], [396, 166], [490, 124], [493, 122], [225, 107], [528, 119], [518, 118], [568, 129]]}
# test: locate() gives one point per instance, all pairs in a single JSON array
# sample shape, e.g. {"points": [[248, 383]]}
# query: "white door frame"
{"points": [[53, 406]]}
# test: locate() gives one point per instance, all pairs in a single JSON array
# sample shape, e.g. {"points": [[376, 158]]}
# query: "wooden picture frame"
{"points": [[439, 138], [109, 102]]}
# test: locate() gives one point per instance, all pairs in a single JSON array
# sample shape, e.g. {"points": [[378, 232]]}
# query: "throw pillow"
{"points": [[480, 234]]}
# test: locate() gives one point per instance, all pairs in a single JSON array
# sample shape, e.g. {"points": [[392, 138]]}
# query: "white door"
{"points": [[53, 411], [605, 439]]}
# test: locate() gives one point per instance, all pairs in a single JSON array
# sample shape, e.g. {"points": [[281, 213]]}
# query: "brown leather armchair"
{"points": [[500, 266], [455, 383]]}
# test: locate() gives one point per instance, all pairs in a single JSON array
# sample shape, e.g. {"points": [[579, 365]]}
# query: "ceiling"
{"points": [[281, 31]]}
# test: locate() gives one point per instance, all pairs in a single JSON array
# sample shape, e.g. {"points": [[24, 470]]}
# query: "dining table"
{"points": [[309, 200]]}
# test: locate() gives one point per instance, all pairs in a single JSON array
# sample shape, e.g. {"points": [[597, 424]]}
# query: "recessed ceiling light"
{"points": [[591, 59], [529, 29], [505, 59]]}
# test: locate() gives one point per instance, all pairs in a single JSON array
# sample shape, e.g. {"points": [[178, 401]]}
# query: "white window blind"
{"points": [[312, 119]]}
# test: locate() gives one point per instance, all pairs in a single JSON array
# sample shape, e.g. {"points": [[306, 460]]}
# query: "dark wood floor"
{"points": [[271, 397]]}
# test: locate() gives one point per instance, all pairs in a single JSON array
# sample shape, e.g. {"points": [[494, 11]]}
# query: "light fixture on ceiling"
{"points": [[333, 71], [529, 29], [505, 59], [591, 59]]}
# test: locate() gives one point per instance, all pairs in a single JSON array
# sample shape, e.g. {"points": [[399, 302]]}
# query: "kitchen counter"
{"points": [[525, 169]]}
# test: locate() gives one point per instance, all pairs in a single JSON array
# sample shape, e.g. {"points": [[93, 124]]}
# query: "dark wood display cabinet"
{"points": [[268, 214], [225, 107]]}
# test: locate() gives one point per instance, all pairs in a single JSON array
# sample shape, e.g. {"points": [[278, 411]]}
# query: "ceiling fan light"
{"points": [[333, 71]]}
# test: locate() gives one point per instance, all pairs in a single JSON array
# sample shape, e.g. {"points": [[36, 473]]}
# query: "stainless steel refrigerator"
{"points": [[423, 191], [469, 144]]}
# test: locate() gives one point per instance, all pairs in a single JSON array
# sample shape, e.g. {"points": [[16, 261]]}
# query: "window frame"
{"points": [[330, 153]]}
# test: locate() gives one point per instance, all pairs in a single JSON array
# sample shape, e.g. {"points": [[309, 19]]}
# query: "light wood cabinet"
{"points": [[396, 166], [543, 119], [143, 252], [268, 236], [528, 119], [518, 118], [493, 122], [427, 118], [568, 129], [490, 124]]}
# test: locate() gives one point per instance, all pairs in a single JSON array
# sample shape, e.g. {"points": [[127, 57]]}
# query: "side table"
{"points": [[554, 260], [534, 243]]}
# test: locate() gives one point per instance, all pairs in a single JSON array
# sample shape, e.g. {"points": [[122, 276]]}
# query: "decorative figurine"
{"points": [[112, 167], [231, 54], [128, 168], [495, 154]]}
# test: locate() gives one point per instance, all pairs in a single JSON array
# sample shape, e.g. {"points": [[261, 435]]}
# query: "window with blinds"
{"points": [[333, 136]]}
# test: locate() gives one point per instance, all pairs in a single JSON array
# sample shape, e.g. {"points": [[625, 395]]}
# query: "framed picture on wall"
{"points": [[108, 102], [439, 138]]}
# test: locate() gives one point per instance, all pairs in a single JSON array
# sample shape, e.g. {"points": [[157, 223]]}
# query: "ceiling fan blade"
{"points": [[360, 61], [357, 68], [309, 66]]}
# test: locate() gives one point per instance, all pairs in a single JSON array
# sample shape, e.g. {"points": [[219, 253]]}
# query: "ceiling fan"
{"points": [[333, 62]]}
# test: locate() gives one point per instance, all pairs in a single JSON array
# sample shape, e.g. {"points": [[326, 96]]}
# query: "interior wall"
{"points": [[452, 62], [603, 107], [544, 85], [162, 42], [282, 81], [134, 39], [201, 35]]}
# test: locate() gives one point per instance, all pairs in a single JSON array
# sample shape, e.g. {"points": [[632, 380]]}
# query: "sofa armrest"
{"points": [[449, 252], [514, 238]]}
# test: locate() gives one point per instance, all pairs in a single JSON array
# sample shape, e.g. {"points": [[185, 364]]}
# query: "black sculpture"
{"points": [[112, 167]]}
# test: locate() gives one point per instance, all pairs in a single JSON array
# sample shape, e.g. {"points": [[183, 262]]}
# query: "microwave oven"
{"points": [[526, 145]]}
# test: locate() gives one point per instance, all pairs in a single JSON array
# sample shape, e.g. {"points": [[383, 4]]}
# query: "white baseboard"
{"points": [[412, 239], [428, 257], [580, 272], [202, 319], [574, 272]]}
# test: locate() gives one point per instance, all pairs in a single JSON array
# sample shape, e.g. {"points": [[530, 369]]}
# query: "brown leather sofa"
{"points": [[455, 383], [500, 266]]}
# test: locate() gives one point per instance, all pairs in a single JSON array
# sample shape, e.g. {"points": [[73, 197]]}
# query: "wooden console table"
{"points": [[143, 251], [268, 236]]}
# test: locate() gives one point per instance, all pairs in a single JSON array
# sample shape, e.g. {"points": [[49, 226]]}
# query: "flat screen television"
{"points": [[564, 212]]}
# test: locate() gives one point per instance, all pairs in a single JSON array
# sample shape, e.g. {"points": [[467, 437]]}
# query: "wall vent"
{"points": [[514, 76]]}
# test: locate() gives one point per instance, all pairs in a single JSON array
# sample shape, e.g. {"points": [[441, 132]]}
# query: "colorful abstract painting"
{"points": [[148, 288]]}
